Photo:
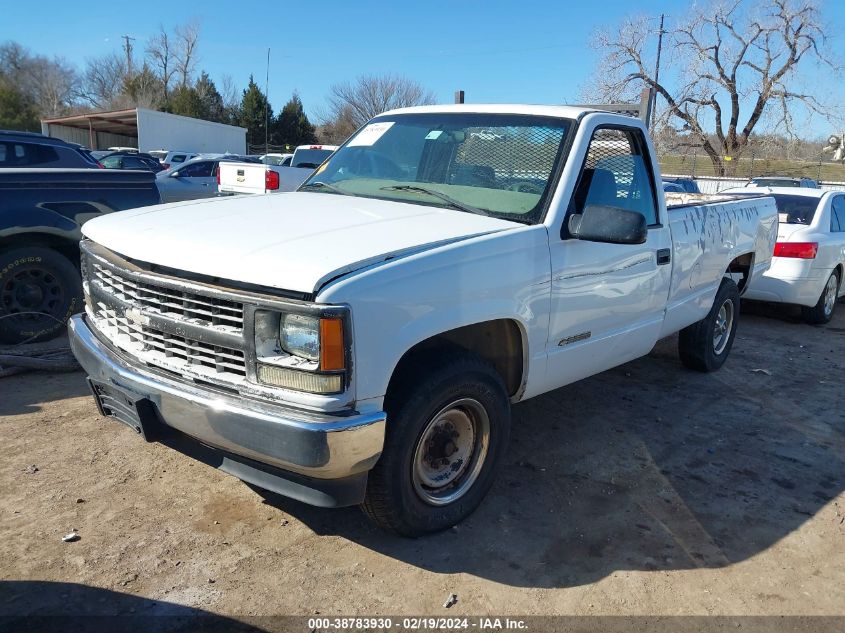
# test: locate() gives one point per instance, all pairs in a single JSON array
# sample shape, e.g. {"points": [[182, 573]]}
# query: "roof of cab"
{"points": [[561, 111]]}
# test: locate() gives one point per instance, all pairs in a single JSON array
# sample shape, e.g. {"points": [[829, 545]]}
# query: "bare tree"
{"points": [[51, 85], [104, 81], [370, 95], [161, 56], [726, 59], [185, 54]]}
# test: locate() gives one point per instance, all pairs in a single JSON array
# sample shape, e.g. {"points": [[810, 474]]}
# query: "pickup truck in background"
{"points": [[269, 178], [362, 340], [41, 212]]}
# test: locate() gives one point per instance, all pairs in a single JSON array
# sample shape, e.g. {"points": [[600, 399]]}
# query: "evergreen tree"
{"points": [[252, 116], [211, 100], [292, 126], [16, 111], [186, 101]]}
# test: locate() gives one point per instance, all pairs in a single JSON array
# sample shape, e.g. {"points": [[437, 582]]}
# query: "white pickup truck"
{"points": [[362, 341], [268, 178]]}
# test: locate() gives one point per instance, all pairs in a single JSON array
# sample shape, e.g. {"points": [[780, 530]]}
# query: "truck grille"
{"points": [[192, 307], [167, 350], [178, 329]]}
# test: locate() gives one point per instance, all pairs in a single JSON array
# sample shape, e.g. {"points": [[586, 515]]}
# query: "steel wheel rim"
{"points": [[723, 326], [830, 295], [450, 452], [31, 294]]}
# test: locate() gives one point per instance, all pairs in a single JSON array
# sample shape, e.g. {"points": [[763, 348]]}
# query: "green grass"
{"points": [[743, 168]]}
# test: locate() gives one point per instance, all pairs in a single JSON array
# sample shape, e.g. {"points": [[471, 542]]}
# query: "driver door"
{"points": [[608, 300]]}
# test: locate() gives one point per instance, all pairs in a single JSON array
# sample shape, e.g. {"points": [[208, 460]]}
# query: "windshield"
{"points": [[493, 164], [774, 182], [796, 209]]}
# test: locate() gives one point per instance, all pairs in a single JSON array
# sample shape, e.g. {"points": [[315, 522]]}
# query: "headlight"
{"points": [[300, 335], [301, 352]]}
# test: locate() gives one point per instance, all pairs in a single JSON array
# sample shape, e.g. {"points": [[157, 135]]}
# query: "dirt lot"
{"points": [[648, 489]]}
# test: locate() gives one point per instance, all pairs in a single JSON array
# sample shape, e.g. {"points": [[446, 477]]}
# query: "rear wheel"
{"points": [[822, 312], [39, 290], [705, 345], [446, 436]]}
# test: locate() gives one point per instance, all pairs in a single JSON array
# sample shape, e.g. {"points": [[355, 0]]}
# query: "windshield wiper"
{"points": [[456, 204], [324, 185]]}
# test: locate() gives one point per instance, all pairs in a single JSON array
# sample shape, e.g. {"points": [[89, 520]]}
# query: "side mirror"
{"points": [[611, 225], [175, 174]]}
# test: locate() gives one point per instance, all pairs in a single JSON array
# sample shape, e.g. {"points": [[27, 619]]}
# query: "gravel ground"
{"points": [[648, 489]]}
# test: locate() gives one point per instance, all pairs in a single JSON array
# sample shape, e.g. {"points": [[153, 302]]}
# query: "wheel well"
{"points": [[68, 248], [499, 342], [742, 265]]}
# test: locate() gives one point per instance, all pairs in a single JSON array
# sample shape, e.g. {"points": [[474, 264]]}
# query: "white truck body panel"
{"points": [[250, 177]]}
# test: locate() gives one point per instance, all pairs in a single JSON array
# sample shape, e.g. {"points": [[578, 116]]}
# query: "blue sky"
{"points": [[532, 51]]}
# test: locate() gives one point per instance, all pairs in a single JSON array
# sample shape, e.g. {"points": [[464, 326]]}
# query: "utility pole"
{"points": [[657, 68], [267, 104], [127, 46]]}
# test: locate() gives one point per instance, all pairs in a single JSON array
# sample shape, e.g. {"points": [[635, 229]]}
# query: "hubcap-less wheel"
{"points": [[450, 452], [31, 293], [830, 295], [722, 329]]}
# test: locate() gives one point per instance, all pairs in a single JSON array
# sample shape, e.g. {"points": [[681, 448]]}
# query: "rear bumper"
{"points": [[804, 291], [286, 450]]}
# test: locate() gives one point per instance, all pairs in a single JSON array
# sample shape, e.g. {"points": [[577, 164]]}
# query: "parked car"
{"points": [[173, 159], [279, 160], [195, 178], [41, 212], [782, 181], [28, 149], [361, 340], [687, 185], [808, 267], [126, 160], [671, 187]]}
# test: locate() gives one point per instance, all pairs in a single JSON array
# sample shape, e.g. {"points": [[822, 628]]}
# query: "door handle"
{"points": [[664, 256]]}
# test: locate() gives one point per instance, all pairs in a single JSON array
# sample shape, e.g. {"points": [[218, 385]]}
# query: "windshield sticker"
{"points": [[434, 134], [370, 134]]}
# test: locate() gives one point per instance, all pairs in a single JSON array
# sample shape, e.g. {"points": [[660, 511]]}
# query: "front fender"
{"points": [[399, 304]]}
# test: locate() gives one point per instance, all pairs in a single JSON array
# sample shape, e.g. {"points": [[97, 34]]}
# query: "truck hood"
{"points": [[293, 241]]}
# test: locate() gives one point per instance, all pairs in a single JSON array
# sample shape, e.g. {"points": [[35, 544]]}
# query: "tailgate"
{"points": [[242, 177]]}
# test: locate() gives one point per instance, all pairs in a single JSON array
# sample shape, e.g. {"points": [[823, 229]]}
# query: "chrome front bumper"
{"points": [[310, 446]]}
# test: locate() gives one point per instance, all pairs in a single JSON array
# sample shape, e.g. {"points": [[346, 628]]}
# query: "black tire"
{"points": [[698, 345], [395, 495], [823, 311], [39, 290]]}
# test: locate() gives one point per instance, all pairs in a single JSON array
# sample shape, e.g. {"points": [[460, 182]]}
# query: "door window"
{"points": [[837, 215], [616, 173], [197, 170]]}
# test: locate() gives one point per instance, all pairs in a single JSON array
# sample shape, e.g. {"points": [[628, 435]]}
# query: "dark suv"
{"points": [[27, 149]]}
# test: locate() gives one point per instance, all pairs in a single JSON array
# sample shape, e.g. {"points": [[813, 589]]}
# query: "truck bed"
{"points": [[252, 178], [707, 230]]}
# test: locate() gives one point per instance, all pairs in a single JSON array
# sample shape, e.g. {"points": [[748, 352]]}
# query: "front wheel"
{"points": [[705, 345], [822, 312], [446, 436]]}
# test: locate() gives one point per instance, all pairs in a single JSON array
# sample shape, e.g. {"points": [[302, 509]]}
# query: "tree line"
{"points": [[165, 75]]}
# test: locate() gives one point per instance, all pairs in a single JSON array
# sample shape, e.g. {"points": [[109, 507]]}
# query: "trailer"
{"points": [[147, 130]]}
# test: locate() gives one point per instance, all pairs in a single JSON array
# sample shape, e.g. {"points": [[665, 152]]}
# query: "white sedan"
{"points": [[809, 258]]}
